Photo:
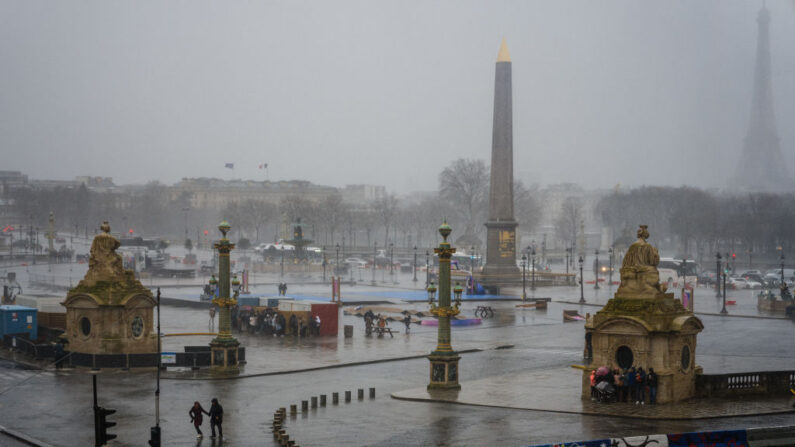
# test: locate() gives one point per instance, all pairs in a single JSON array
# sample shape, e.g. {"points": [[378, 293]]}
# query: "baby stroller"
{"points": [[605, 392]]}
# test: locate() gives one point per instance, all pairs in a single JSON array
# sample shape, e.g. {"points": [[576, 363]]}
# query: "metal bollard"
{"points": [[372, 393], [293, 409], [322, 400], [314, 401], [347, 396], [361, 393], [335, 398]]}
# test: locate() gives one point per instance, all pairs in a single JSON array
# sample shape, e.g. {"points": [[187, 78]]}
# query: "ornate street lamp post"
{"points": [[391, 260], [717, 275], [427, 269], [610, 271], [783, 284], [324, 264], [224, 347], [724, 311], [375, 252], [533, 272], [582, 291], [337, 261], [524, 275], [444, 361], [596, 271], [414, 266], [568, 252], [281, 274]]}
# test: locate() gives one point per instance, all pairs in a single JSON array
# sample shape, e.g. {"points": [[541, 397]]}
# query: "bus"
{"points": [[675, 274]]}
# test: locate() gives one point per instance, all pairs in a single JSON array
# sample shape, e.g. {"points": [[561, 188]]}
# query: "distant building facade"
{"points": [[214, 193]]}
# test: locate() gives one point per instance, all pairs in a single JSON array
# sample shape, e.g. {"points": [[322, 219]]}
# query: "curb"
{"points": [[590, 413], [23, 437], [341, 365]]}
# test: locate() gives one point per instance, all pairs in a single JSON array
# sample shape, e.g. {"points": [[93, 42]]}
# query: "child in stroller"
{"points": [[605, 389]]}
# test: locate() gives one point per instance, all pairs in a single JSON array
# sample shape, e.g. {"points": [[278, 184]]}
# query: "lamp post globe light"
{"points": [[582, 290], [717, 275], [596, 271], [533, 272], [224, 347], [443, 360], [524, 275]]}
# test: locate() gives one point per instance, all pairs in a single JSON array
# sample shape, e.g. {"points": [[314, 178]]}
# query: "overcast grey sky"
{"points": [[384, 92]]}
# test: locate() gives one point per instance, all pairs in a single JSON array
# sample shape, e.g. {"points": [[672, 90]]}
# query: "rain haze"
{"points": [[385, 92]]}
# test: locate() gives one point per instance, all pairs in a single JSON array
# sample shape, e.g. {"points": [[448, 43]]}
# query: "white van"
{"points": [[671, 269]]}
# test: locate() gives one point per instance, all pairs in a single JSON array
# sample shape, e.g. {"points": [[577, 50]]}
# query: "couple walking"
{"points": [[216, 414]]}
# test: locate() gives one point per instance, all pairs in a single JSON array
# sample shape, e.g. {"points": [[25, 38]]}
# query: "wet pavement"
{"points": [[56, 406]]}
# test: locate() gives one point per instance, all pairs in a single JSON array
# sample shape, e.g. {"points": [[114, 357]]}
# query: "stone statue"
{"points": [[639, 275], [104, 264]]}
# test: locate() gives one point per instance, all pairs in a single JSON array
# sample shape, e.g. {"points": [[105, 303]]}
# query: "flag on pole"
{"points": [[230, 165]]}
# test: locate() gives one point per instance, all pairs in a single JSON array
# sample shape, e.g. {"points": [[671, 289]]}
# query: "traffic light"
{"points": [[104, 425], [154, 436], [734, 256]]}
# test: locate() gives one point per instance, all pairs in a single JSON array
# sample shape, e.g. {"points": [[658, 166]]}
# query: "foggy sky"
{"points": [[384, 92]]}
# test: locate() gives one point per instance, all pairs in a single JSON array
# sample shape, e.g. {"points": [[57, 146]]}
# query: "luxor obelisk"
{"points": [[500, 267]]}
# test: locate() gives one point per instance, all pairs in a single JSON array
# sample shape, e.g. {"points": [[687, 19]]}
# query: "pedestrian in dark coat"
{"points": [[216, 418], [640, 383], [195, 414], [651, 380]]}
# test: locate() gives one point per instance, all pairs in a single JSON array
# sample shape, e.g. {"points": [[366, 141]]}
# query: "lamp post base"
{"points": [[224, 356], [444, 372]]}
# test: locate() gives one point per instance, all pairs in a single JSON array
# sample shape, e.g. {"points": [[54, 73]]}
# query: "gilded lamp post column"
{"points": [[444, 361], [224, 346]]}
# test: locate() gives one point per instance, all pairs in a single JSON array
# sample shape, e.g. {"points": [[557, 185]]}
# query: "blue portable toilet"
{"points": [[19, 320]]}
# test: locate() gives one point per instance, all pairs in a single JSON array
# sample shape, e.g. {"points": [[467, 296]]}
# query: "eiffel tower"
{"points": [[761, 167]]}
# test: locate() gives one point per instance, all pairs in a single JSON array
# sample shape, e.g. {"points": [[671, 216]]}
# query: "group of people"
{"points": [[270, 322], [282, 288], [371, 320], [216, 415], [631, 385], [267, 322]]}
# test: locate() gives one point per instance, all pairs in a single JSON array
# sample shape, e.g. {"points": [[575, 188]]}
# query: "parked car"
{"points": [[356, 262], [706, 277]]}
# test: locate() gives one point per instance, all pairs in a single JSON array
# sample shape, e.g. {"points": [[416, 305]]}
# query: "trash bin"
{"points": [[348, 330]]}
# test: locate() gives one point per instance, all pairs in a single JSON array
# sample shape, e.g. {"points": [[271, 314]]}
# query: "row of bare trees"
{"points": [[693, 222], [462, 200]]}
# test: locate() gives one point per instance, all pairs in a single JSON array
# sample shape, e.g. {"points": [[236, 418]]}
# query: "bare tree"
{"points": [[568, 221], [528, 210], [465, 184], [386, 207]]}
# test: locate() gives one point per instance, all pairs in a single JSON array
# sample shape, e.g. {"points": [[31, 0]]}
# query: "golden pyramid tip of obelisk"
{"points": [[504, 55]]}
